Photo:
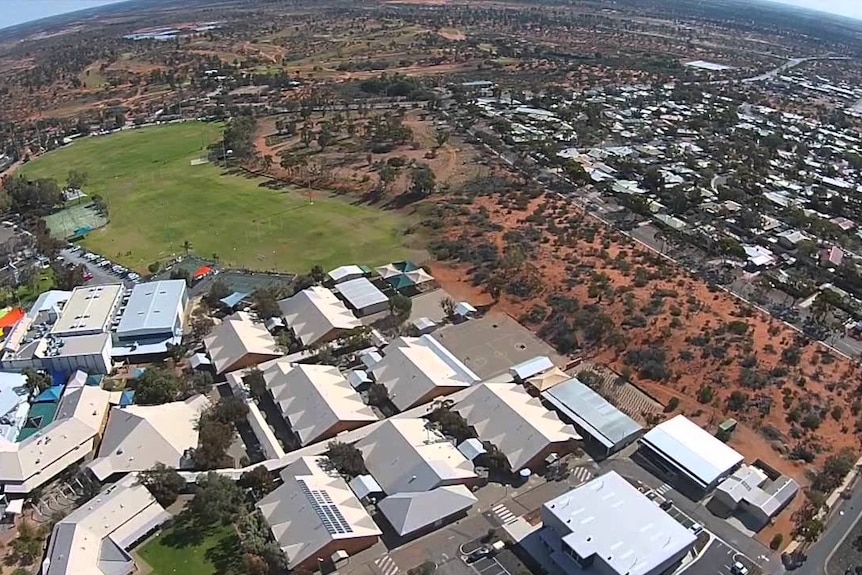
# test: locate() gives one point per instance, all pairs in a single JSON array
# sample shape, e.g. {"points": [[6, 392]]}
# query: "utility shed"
{"points": [[681, 446], [531, 368], [592, 414], [362, 296]]}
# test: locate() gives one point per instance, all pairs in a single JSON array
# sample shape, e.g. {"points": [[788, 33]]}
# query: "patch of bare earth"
{"points": [[787, 394]]}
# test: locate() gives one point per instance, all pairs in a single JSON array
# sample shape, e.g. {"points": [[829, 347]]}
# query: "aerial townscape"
{"points": [[418, 287]]}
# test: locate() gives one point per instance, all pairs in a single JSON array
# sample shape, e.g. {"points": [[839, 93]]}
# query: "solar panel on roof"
{"points": [[329, 514]]}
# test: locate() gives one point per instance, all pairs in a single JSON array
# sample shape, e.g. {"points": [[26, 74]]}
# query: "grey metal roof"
{"points": [[410, 512], [591, 412], [152, 307], [361, 293]]}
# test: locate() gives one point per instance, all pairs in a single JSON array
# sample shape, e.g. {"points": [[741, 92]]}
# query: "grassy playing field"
{"points": [[157, 201]]}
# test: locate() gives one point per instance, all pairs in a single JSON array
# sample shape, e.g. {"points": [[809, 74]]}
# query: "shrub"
{"points": [[776, 542], [705, 394], [671, 405]]}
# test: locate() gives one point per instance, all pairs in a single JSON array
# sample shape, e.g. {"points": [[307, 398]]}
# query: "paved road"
{"points": [[837, 527]]}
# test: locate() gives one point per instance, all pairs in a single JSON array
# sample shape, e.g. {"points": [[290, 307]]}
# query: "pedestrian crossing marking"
{"points": [[386, 565], [582, 474], [503, 514]]}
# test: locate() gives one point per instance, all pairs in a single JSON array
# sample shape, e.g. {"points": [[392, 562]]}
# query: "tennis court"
{"points": [[75, 221]]}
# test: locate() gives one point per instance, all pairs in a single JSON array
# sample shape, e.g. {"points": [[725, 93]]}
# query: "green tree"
{"points": [[76, 179], [423, 182], [201, 326], [317, 273], [218, 291], [259, 481], [28, 546], [265, 302], [400, 306], [214, 439], [346, 459], [217, 500], [37, 381], [387, 175], [187, 247], [256, 383], [164, 483], [378, 395], [447, 304], [156, 386]]}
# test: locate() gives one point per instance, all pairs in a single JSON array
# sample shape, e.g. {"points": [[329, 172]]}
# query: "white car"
{"points": [[738, 568]]}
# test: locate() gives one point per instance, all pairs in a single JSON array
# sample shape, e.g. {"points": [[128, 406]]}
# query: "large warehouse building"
{"points": [[609, 428], [153, 318], [89, 311], [685, 449], [608, 527]]}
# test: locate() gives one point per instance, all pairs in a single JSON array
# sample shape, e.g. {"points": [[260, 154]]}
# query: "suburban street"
{"points": [[840, 523]]}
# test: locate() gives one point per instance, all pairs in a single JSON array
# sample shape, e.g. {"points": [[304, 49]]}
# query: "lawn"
{"points": [[181, 550], [157, 201]]}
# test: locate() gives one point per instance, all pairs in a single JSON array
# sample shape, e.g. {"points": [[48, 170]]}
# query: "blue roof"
{"points": [[53, 393], [233, 299], [127, 397], [152, 307]]}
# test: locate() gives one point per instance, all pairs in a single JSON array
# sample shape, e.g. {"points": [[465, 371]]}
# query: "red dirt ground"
{"points": [[813, 382]]}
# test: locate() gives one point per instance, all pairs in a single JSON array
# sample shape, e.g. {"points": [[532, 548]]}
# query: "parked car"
{"points": [[738, 568]]}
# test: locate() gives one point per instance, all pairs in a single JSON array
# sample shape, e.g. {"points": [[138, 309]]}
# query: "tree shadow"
{"points": [[226, 555], [185, 533], [404, 200]]}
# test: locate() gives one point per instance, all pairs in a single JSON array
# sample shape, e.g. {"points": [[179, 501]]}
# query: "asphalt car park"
{"points": [[718, 559], [488, 566]]}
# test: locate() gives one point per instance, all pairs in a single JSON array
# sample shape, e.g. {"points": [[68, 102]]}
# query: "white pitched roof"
{"points": [[506, 416], [695, 451], [308, 512], [315, 399], [93, 539], [412, 367], [68, 439], [405, 455], [237, 337], [340, 273], [139, 436], [410, 512], [315, 312]]}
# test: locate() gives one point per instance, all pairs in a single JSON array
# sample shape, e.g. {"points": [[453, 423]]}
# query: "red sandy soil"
{"points": [[812, 381], [452, 163]]}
